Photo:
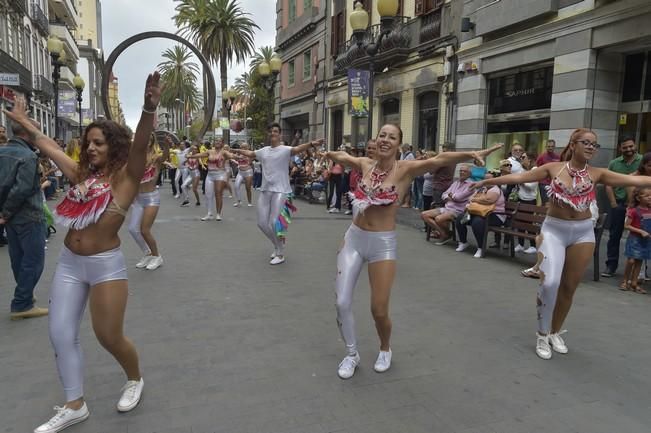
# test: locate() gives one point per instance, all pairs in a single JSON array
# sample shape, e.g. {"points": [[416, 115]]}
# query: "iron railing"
{"points": [[40, 19], [44, 87], [19, 6], [430, 27]]}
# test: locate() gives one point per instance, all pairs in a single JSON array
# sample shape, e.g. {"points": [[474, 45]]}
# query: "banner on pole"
{"points": [[358, 86]]}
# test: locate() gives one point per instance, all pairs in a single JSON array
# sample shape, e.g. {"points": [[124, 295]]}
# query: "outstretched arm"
{"points": [[247, 153], [540, 173], [197, 155], [138, 154], [44, 143], [305, 146], [345, 159], [611, 178], [419, 167]]}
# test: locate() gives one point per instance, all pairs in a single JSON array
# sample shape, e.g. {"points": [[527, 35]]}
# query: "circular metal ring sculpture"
{"points": [[210, 93]]}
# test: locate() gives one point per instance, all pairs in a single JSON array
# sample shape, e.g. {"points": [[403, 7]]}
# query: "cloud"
{"points": [[124, 18]]}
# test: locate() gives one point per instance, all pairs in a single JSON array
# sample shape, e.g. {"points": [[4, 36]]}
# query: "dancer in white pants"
{"points": [[567, 236], [216, 180], [145, 207], [193, 178], [371, 237], [91, 267], [244, 176], [275, 201]]}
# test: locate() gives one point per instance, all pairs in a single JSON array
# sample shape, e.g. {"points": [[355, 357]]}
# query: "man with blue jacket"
{"points": [[21, 211]]}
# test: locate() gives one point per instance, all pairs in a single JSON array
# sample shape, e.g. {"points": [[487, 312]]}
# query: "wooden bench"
{"points": [[526, 222]]}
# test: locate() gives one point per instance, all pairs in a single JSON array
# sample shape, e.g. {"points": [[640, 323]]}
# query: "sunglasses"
{"points": [[506, 165], [589, 144]]}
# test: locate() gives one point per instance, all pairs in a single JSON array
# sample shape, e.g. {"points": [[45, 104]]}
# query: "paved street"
{"points": [[231, 344]]}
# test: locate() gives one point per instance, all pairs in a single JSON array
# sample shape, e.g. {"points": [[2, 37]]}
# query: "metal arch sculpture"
{"points": [[210, 93]]}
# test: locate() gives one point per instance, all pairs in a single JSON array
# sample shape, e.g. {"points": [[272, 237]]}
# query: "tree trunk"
{"points": [[223, 74]]}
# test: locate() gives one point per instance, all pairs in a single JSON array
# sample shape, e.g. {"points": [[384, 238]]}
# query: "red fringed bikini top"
{"points": [[369, 192], [150, 172], [85, 203], [579, 196]]}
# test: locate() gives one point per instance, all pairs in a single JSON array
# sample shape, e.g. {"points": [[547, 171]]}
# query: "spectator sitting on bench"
{"points": [[484, 196], [456, 199]]}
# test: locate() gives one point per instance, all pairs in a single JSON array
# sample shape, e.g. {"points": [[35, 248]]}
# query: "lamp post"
{"points": [[58, 56], [269, 72], [229, 98], [79, 84], [388, 9]]}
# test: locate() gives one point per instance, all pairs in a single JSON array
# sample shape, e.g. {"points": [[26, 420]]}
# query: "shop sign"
{"points": [[7, 94], [8, 79], [358, 90], [522, 91]]}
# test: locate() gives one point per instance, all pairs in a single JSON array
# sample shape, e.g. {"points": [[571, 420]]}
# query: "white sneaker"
{"points": [[144, 262], [64, 418], [531, 250], [218, 217], [274, 254], [237, 204], [348, 212], [249, 205], [348, 365], [462, 246], [557, 342], [334, 210], [131, 393], [208, 217], [543, 350], [383, 361], [478, 253], [155, 263], [518, 248], [277, 260], [177, 196]]}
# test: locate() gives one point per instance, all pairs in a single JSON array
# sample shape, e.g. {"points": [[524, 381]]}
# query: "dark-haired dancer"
{"points": [[372, 238], [275, 200], [145, 207], [91, 266], [566, 241]]}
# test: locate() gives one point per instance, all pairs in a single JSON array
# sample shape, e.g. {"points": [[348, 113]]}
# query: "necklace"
{"points": [[577, 174], [378, 177]]}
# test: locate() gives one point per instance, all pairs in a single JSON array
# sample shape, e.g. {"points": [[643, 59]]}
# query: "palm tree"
{"points": [[262, 54], [179, 77], [221, 30]]}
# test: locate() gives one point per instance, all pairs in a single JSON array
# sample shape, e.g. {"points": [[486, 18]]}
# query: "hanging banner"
{"points": [[358, 86]]}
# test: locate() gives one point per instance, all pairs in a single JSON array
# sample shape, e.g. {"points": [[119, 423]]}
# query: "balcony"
{"points": [[65, 11], [65, 82], [40, 20], [395, 47], [297, 29], [60, 30], [20, 6], [430, 26], [11, 65], [43, 87]]}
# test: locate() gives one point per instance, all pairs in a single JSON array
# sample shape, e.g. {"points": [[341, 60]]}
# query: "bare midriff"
{"points": [[378, 218], [149, 186], [567, 213], [96, 238]]}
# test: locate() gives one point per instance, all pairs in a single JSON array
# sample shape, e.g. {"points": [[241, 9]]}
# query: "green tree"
{"points": [[179, 78], [221, 30]]}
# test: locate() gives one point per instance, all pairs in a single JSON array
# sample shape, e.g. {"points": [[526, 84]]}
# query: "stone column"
{"points": [[471, 112]]}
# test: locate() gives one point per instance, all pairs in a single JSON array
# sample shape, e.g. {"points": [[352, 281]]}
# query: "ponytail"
{"points": [[566, 154]]}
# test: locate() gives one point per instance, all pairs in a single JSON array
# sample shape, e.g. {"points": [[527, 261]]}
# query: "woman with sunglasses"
{"points": [[567, 236]]}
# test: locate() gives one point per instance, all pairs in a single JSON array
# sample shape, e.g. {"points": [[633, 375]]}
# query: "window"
{"points": [[307, 65], [3, 29], [307, 5], [423, 7], [291, 10], [291, 75]]}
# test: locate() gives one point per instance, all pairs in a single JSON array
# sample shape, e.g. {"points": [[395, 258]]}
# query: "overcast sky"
{"points": [[124, 18]]}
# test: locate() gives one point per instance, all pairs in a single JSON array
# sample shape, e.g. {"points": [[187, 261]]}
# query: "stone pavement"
{"points": [[231, 344]]}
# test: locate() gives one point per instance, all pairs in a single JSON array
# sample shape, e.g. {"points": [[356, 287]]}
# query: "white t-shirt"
{"points": [[516, 166], [275, 168]]}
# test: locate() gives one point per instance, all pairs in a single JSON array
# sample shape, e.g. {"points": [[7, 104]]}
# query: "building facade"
{"points": [[91, 57], [532, 70], [412, 78], [301, 43]]}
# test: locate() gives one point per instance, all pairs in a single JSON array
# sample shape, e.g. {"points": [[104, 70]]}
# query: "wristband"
{"points": [[144, 110]]}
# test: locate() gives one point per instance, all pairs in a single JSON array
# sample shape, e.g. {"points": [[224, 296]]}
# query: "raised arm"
{"points": [[49, 147], [247, 153], [419, 167], [305, 146], [345, 159], [610, 178], [135, 167]]}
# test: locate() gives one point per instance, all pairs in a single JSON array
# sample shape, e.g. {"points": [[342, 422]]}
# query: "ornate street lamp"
{"points": [[79, 84], [388, 9], [58, 56], [269, 72], [229, 98]]}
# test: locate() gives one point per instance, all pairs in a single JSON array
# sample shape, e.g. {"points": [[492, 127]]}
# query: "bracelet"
{"points": [[144, 110]]}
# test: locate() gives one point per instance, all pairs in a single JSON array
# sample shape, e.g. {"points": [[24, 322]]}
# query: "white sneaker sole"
{"points": [[66, 425]]}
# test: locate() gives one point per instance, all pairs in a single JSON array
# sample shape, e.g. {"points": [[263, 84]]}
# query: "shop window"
{"points": [[291, 73], [337, 129], [524, 91], [391, 111], [307, 65], [647, 81], [428, 118], [633, 73]]}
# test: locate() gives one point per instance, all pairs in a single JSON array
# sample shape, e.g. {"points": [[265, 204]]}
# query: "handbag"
{"points": [[479, 209]]}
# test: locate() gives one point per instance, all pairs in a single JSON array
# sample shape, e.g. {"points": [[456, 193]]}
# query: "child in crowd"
{"points": [[638, 244]]}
